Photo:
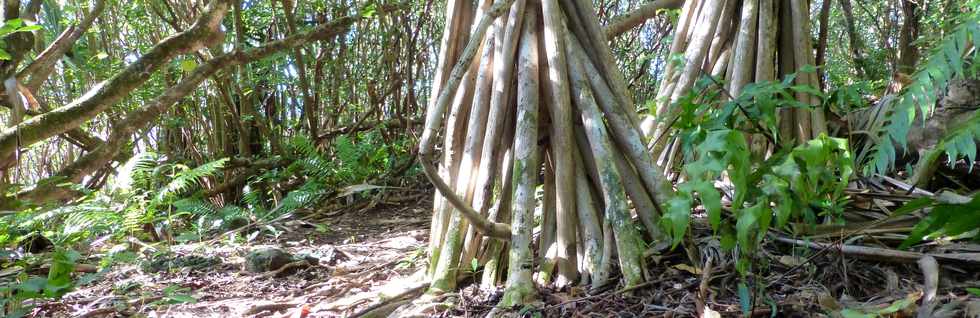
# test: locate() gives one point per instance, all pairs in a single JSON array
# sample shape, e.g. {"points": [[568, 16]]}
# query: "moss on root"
{"points": [[518, 295]]}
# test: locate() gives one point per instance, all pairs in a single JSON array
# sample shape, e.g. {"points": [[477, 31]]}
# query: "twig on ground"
{"points": [[930, 271], [395, 299], [608, 293], [702, 298], [97, 312], [271, 307], [884, 254], [288, 266]]}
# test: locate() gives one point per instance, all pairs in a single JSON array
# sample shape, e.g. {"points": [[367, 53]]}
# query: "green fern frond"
{"points": [[183, 180], [89, 218], [253, 199], [307, 194], [135, 171], [195, 206], [951, 59], [959, 141]]}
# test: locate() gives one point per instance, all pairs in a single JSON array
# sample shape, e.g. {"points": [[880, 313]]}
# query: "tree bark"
{"points": [[822, 38], [857, 53], [520, 288], [908, 51]]}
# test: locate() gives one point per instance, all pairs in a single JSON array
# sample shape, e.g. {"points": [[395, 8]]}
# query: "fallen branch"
{"points": [[107, 311], [364, 126], [702, 300], [884, 254], [253, 168], [384, 304]]}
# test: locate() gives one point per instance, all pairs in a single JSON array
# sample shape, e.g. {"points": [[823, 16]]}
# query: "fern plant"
{"points": [[157, 187], [954, 57]]}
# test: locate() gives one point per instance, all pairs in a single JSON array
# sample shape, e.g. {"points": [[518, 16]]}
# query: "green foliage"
{"points": [[176, 295], [805, 182], [960, 141], [10, 27], [947, 218], [156, 188], [147, 191], [974, 291], [952, 58], [58, 282]]}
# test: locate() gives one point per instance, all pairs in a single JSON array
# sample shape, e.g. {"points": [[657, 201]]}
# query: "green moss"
{"points": [[444, 277], [517, 295], [492, 268]]}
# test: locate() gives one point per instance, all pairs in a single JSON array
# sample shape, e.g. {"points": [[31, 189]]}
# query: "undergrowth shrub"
{"points": [[803, 183]]}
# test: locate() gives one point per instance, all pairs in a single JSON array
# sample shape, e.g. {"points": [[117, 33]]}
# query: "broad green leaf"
{"points": [[30, 28], [914, 205], [711, 201], [188, 65], [896, 306], [369, 10], [59, 276], [744, 226], [974, 291], [677, 217], [851, 313], [807, 89], [182, 298]]}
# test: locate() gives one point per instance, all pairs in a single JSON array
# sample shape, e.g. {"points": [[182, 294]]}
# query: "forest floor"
{"points": [[355, 252], [361, 254]]}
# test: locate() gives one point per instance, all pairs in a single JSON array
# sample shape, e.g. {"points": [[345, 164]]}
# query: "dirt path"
{"points": [[355, 252]]}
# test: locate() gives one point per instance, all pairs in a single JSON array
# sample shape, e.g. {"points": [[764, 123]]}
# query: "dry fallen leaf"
{"points": [[791, 261], [688, 268]]}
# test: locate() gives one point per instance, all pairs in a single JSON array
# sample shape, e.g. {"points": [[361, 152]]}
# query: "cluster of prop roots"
{"points": [[530, 95]]}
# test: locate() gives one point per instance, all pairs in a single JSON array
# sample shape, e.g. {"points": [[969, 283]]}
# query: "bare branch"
{"points": [[623, 23]]}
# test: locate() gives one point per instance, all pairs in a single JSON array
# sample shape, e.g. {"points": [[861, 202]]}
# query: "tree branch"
{"points": [[110, 92], [623, 23], [42, 66], [140, 118]]}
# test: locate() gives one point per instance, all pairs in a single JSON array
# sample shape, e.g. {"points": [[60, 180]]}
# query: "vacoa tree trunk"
{"points": [[528, 91]]}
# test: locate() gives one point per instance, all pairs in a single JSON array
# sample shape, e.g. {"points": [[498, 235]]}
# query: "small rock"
{"points": [[267, 259]]}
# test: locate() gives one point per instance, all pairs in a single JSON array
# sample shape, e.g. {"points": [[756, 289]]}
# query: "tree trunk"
{"points": [[908, 51], [565, 78], [854, 41]]}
